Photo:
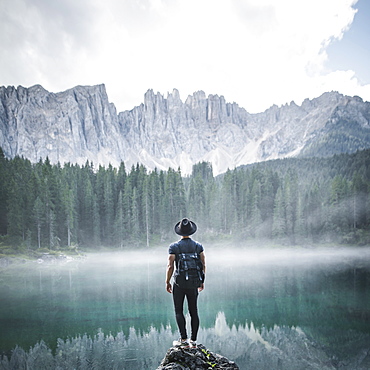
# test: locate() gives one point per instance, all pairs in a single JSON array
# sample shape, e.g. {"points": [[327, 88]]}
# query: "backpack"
{"points": [[189, 273]]}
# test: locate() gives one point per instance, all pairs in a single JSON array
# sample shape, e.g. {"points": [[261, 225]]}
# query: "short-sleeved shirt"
{"points": [[186, 245]]}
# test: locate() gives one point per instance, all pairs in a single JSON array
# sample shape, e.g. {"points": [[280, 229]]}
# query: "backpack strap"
{"points": [[196, 250], [180, 253], [197, 247]]}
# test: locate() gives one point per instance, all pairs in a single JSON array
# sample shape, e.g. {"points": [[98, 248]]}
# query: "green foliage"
{"points": [[290, 201], [342, 136]]}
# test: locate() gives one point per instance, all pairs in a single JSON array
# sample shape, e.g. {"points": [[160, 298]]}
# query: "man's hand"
{"points": [[201, 287], [169, 287]]}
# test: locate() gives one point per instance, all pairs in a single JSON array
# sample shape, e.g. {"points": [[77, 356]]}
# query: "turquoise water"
{"points": [[260, 306]]}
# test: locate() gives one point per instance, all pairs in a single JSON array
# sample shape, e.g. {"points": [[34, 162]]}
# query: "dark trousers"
{"points": [[178, 300]]}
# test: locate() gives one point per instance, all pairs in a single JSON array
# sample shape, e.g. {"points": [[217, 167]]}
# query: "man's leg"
{"points": [[192, 298], [178, 300]]}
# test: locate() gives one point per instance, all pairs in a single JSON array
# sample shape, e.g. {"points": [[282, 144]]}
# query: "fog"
{"points": [[287, 256], [260, 305], [232, 256]]}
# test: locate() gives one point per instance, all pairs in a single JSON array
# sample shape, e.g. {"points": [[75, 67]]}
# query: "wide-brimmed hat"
{"points": [[185, 227]]}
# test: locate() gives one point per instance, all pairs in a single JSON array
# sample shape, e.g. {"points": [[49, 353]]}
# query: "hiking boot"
{"points": [[193, 344], [182, 343]]}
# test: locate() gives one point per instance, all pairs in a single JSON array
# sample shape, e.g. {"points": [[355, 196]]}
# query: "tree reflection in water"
{"points": [[275, 348]]}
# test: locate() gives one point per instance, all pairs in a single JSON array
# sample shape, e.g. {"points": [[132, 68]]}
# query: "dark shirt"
{"points": [[186, 245]]}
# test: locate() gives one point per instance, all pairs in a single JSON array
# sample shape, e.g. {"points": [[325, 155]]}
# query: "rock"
{"points": [[194, 359], [5, 262], [50, 259], [71, 126], [81, 124]]}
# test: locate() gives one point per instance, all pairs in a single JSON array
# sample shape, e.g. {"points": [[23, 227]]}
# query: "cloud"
{"points": [[42, 39], [254, 52]]}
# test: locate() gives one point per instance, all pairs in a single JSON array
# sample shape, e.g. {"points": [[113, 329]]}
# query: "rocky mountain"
{"points": [[81, 124]]}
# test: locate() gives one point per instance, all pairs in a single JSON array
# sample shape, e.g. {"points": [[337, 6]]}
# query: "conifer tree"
{"points": [[127, 207], [135, 221], [359, 201], [4, 192], [38, 214], [87, 199], [255, 222], [69, 209], [174, 204], [197, 199], [339, 203], [155, 196], [20, 198], [313, 213], [291, 202], [119, 229], [44, 205], [108, 207], [279, 224], [96, 224], [15, 211], [227, 206], [121, 178]]}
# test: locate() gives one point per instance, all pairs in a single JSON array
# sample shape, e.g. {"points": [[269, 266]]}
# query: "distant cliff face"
{"points": [[71, 126], [80, 124]]}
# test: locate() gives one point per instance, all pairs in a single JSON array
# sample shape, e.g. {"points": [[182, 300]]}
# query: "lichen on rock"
{"points": [[195, 359]]}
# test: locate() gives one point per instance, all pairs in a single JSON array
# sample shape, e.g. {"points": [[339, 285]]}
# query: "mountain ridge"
{"points": [[80, 124]]}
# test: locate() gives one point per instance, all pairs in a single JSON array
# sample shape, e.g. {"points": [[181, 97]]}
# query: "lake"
{"points": [[264, 308]]}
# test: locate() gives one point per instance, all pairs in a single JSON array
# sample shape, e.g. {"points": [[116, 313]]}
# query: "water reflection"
{"points": [[310, 305], [276, 348]]}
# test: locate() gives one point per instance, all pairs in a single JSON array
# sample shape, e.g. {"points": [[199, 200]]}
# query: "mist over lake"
{"points": [[282, 308]]}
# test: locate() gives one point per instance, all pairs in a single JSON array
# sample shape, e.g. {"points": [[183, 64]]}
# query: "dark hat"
{"points": [[185, 227]]}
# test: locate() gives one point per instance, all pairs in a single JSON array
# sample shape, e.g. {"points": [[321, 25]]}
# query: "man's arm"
{"points": [[169, 272], [203, 259]]}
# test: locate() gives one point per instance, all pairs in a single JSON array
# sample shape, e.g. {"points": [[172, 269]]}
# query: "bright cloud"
{"points": [[254, 52]]}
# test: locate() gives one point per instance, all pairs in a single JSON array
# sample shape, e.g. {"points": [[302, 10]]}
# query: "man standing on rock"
{"points": [[189, 257]]}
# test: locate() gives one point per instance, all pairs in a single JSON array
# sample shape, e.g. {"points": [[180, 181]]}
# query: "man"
{"points": [[185, 228]]}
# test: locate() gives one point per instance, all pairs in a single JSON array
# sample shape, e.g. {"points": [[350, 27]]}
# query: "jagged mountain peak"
{"points": [[81, 124]]}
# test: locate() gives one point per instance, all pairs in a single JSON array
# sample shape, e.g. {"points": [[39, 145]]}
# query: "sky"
{"points": [[253, 52]]}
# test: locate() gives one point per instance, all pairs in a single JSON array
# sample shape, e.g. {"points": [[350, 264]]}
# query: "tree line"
{"points": [[291, 200]]}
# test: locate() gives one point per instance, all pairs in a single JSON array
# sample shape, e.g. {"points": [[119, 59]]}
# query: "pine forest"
{"points": [[290, 201]]}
